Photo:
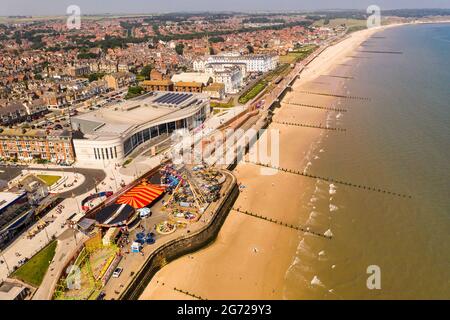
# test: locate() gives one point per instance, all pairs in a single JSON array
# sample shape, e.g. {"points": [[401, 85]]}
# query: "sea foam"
{"points": [[316, 282], [328, 233], [333, 208], [332, 189]]}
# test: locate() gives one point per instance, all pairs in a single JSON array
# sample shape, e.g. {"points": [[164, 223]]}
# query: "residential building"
{"points": [[13, 112], [215, 91], [231, 78], [157, 85], [27, 145], [182, 86], [119, 80], [78, 71]]}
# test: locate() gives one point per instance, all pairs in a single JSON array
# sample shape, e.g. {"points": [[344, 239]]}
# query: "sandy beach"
{"points": [[250, 257]]}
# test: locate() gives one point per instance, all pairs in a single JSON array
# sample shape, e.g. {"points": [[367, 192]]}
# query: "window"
{"points": [[154, 131], [127, 146], [146, 134], [162, 128], [115, 151], [171, 127]]}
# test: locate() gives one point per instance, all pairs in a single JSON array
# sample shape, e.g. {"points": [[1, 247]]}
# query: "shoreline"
{"points": [[251, 258]]}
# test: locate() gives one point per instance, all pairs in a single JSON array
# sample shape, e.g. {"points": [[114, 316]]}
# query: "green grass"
{"points": [[48, 179], [34, 270], [297, 55], [127, 162], [253, 92], [228, 104]]}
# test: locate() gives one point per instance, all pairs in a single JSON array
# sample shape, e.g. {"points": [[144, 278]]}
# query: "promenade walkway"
{"points": [[68, 244]]}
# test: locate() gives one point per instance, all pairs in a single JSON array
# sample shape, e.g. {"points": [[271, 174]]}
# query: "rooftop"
{"points": [[200, 77], [7, 197], [34, 132], [156, 107]]}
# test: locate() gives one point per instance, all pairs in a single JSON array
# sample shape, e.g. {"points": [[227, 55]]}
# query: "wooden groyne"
{"points": [[339, 77], [283, 224], [376, 51], [328, 179], [310, 126], [189, 294], [335, 95], [358, 57], [315, 107]]}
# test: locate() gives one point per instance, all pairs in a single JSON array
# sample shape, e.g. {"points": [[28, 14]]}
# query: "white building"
{"points": [[200, 64], [110, 134], [218, 67], [232, 79], [253, 62]]}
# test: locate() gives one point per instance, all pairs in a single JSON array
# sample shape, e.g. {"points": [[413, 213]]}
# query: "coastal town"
{"points": [[94, 199]]}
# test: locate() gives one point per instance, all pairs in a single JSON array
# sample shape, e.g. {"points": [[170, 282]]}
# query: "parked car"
{"points": [[117, 272], [144, 213], [101, 296]]}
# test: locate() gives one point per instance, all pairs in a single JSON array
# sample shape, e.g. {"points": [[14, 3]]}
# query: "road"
{"points": [[92, 178]]}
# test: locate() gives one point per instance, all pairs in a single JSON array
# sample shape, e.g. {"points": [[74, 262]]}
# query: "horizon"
{"points": [[140, 7]]}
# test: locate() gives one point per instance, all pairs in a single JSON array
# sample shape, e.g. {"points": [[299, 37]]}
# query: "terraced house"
{"points": [[16, 111]]}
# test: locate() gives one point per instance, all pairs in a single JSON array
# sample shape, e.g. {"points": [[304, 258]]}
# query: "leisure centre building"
{"points": [[110, 134]]}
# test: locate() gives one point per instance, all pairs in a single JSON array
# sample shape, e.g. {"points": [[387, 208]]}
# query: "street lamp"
{"points": [[6, 263], [46, 233], [76, 201]]}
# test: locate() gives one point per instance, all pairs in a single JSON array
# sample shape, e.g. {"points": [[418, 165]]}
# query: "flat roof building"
{"points": [[109, 135], [13, 291]]}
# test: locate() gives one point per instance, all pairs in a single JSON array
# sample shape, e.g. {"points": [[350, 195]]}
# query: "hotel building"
{"points": [[254, 62]]}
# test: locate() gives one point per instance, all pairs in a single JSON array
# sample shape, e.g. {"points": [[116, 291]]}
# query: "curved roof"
{"points": [[141, 195]]}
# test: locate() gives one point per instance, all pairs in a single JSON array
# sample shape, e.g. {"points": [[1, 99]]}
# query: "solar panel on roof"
{"points": [[167, 98], [178, 99], [161, 98], [181, 99], [170, 99], [173, 98], [164, 98]]}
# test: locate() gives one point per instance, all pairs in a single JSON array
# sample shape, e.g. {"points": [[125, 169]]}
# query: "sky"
{"points": [[59, 7]]}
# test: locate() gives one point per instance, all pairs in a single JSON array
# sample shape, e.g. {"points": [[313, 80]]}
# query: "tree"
{"points": [[134, 92], [95, 76], [216, 39], [145, 72], [250, 49], [87, 55], [179, 48]]}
